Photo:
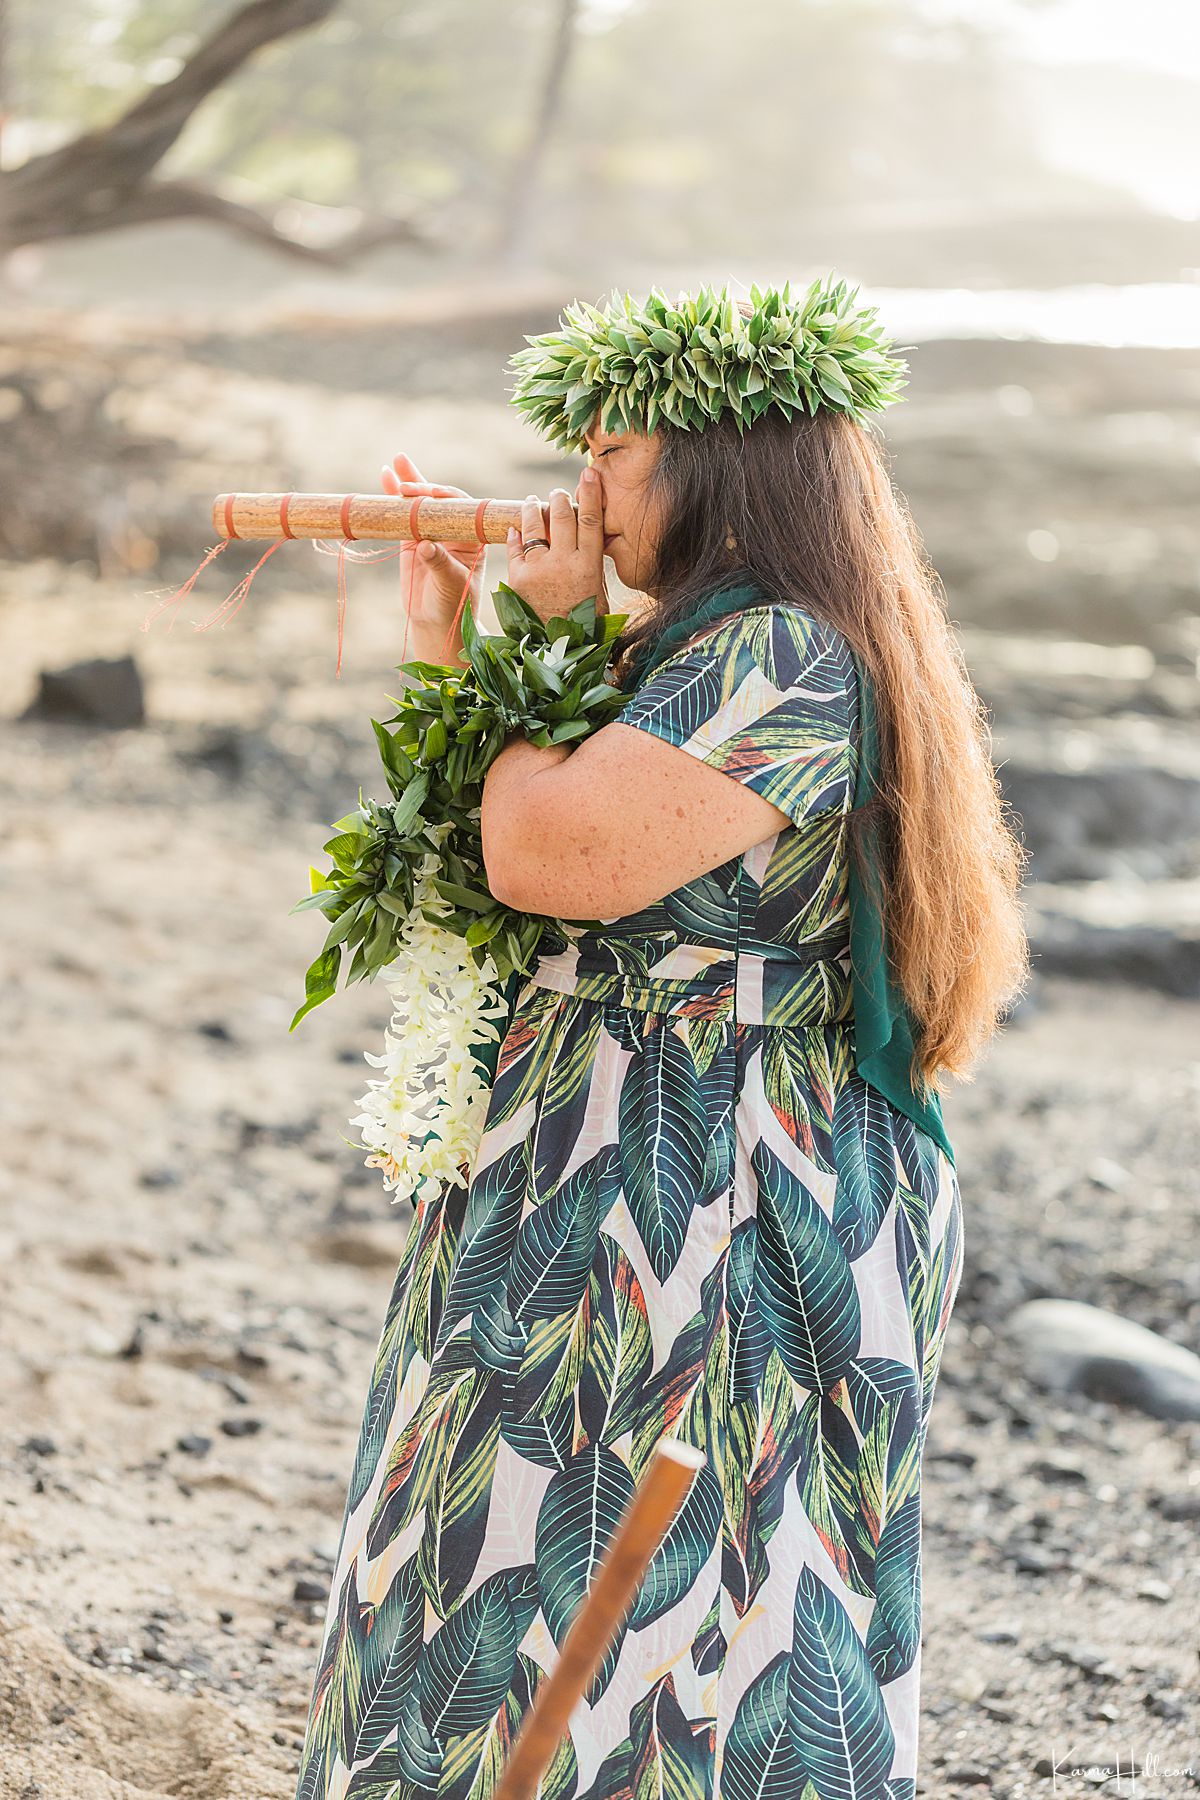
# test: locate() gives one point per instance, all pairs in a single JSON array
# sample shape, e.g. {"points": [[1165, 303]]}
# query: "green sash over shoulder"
{"points": [[883, 1023]]}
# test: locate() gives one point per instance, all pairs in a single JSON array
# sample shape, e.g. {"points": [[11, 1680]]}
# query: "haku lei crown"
{"points": [[685, 364]]}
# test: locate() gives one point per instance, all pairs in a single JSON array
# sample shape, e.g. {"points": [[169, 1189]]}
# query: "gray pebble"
{"points": [[1182, 1508], [194, 1445], [240, 1427]]}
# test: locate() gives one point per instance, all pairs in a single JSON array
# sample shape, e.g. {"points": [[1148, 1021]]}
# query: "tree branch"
{"points": [[159, 201], [97, 180], [140, 139]]}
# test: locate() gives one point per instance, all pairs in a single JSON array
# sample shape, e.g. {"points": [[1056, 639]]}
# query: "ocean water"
{"points": [[1162, 315]]}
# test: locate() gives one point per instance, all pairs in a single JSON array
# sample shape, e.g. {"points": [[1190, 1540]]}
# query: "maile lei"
{"points": [[407, 898]]}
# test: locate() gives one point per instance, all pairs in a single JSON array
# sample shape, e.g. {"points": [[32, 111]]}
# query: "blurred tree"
{"points": [[526, 129], [771, 125], [515, 219], [105, 178]]}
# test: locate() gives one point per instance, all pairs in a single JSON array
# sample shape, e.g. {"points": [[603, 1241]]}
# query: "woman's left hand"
{"points": [[553, 578]]}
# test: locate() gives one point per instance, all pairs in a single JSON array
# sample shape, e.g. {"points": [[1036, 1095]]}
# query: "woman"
{"points": [[689, 1214]]}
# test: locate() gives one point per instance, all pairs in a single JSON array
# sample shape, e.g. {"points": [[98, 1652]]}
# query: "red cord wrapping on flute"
{"points": [[233, 600]]}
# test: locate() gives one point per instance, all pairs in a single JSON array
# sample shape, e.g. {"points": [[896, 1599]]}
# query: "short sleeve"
{"points": [[769, 697]]}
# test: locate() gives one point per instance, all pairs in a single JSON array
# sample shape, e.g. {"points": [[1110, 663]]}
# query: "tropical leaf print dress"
{"points": [[688, 1216]]}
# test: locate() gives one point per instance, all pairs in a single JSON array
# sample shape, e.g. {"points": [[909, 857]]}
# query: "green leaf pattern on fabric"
{"points": [[689, 1217]]}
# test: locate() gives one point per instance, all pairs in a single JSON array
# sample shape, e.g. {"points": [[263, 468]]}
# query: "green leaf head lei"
{"points": [[687, 364]]}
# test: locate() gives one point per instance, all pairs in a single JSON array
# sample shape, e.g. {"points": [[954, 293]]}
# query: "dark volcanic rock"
{"points": [[1073, 821], [102, 691], [1092, 930]]}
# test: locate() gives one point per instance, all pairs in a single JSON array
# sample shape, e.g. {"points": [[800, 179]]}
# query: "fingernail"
{"points": [[589, 475]]}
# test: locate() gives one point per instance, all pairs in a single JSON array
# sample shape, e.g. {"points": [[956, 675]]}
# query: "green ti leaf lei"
{"points": [[544, 678]]}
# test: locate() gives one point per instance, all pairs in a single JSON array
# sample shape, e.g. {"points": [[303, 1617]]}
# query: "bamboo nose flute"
{"points": [[640, 1530], [352, 516]]}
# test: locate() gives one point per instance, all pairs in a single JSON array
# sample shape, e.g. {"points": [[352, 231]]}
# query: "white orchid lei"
{"points": [[422, 1119], [407, 895]]}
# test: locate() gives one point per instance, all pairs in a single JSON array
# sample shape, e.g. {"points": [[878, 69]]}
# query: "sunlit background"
{"points": [[268, 247]]}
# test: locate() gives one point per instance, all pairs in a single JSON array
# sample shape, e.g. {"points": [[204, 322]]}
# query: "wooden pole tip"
{"points": [[687, 1455]]}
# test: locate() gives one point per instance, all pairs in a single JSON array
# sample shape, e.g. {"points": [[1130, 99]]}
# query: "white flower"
{"points": [[423, 1118]]}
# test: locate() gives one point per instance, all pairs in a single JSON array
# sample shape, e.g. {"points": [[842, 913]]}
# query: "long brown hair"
{"points": [[818, 521]]}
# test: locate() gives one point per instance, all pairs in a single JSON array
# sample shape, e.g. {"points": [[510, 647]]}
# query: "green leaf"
{"points": [[541, 677], [577, 1519], [410, 802], [344, 850], [320, 982], [464, 896], [345, 923], [398, 765], [517, 618], [619, 1350], [316, 999], [392, 903], [844, 1666], [682, 1554], [379, 943], [661, 1183], [426, 671], [320, 901], [483, 930], [760, 1757], [466, 1667]]}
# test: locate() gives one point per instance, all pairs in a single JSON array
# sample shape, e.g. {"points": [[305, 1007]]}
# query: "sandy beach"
{"points": [[195, 1263]]}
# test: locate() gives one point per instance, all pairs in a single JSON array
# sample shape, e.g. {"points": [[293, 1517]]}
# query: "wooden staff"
{"points": [[376, 516], [639, 1532]]}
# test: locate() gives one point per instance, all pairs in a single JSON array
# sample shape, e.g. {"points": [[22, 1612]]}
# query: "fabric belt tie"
{"points": [[763, 992]]}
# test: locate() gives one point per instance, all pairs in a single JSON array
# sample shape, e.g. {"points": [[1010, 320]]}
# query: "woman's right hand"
{"points": [[434, 574]]}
